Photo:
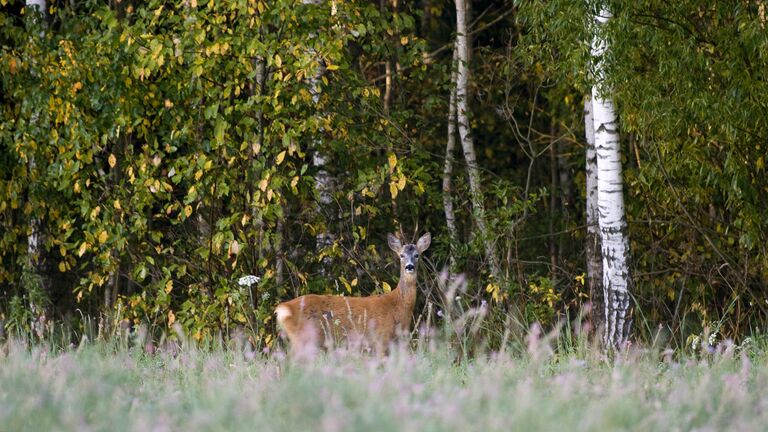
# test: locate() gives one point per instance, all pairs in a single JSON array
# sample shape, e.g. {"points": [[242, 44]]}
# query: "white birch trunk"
{"points": [[476, 193], [324, 181], [592, 249], [610, 200], [450, 216], [35, 237], [40, 4]]}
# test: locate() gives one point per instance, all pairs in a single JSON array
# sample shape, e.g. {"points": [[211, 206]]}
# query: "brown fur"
{"points": [[319, 321]]}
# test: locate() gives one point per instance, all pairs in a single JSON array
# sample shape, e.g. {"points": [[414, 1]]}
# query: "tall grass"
{"points": [[111, 386]]}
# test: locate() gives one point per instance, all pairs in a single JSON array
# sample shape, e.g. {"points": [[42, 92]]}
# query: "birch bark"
{"points": [[35, 259], [610, 200], [476, 193], [450, 216], [592, 247], [324, 181]]}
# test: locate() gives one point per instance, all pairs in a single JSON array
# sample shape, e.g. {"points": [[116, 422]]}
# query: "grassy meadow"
{"points": [[116, 387]]}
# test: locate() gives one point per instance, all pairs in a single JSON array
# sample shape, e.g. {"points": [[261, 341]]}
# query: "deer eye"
{"points": [[402, 255], [415, 255]]}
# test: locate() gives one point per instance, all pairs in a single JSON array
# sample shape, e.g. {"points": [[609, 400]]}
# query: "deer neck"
{"points": [[406, 287]]}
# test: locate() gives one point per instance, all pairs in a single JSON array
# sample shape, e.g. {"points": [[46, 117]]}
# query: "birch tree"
{"points": [[467, 144], [610, 199], [35, 259], [450, 216], [324, 181], [594, 257]]}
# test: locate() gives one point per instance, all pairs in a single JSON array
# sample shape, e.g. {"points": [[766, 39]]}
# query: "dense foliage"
{"points": [[159, 151]]}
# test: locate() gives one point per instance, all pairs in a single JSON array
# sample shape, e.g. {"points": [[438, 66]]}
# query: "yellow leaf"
{"points": [[270, 194], [208, 165], [95, 213], [263, 184], [386, 287], [495, 291], [393, 189], [77, 187], [62, 267], [278, 60], [404, 40], [187, 210], [169, 286], [401, 182], [392, 162], [280, 157], [171, 318], [332, 67], [354, 282], [294, 181], [103, 236], [112, 160], [234, 248], [117, 205], [83, 247], [198, 174]]}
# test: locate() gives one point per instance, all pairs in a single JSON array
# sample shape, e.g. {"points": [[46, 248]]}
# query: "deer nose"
{"points": [[409, 267]]}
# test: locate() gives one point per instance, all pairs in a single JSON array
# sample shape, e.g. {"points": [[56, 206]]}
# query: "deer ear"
{"points": [[394, 243], [424, 242]]}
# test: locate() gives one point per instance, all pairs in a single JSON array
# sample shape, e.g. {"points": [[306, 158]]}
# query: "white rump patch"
{"points": [[282, 312]]}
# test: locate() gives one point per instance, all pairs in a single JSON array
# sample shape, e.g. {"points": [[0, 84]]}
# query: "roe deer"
{"points": [[312, 321]]}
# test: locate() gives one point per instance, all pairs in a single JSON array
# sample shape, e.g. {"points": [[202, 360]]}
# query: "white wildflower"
{"points": [[248, 280], [712, 338]]}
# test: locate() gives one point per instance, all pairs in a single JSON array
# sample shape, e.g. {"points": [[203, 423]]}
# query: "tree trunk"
{"points": [[553, 210], [324, 181], [476, 193], [610, 201], [450, 217], [35, 239], [592, 247], [389, 83], [40, 4]]}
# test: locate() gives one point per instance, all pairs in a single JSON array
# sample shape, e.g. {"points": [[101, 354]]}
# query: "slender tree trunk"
{"points": [[324, 184], [565, 180], [324, 181], [612, 218], [450, 217], [553, 210], [35, 238], [565, 185], [426, 18], [112, 288], [279, 263], [593, 244], [389, 83], [476, 193]]}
